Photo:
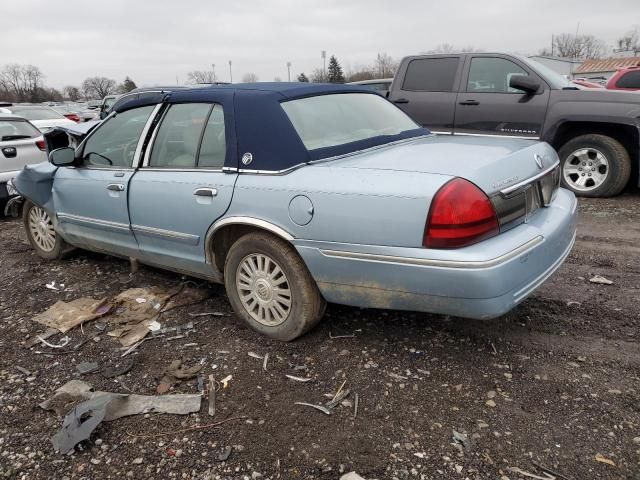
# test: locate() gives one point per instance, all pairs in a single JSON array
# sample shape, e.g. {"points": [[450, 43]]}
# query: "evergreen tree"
{"points": [[303, 78], [127, 85], [334, 72]]}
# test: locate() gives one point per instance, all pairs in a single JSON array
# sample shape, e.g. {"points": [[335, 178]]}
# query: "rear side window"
{"points": [[16, 130], [492, 75], [213, 148], [431, 74], [629, 80], [179, 134]]}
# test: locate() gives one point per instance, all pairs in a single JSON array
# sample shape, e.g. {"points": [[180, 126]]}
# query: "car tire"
{"points": [[599, 162], [270, 287], [41, 234]]}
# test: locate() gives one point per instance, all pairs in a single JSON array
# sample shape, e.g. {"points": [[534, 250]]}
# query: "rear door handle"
{"points": [[115, 187], [205, 192], [401, 100], [469, 102]]}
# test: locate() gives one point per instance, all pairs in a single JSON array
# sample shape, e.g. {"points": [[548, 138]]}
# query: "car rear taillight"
{"points": [[73, 116], [461, 214], [41, 145]]}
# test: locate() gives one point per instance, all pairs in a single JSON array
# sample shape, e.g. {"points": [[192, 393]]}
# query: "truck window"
{"points": [[431, 74], [492, 75], [629, 80]]}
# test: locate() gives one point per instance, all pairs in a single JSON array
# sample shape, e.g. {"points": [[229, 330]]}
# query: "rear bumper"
{"points": [[481, 281]]}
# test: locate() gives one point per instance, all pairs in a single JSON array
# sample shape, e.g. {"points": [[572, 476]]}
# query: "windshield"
{"points": [[37, 113], [331, 120], [552, 77], [16, 129]]}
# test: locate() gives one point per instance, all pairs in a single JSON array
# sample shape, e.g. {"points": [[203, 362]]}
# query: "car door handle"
{"points": [[115, 187], [401, 100], [205, 192], [469, 102]]}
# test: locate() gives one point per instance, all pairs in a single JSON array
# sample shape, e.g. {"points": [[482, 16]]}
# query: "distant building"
{"points": [[603, 68], [564, 66]]}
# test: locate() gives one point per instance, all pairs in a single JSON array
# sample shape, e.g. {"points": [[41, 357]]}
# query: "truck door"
{"points": [[425, 88], [486, 105]]}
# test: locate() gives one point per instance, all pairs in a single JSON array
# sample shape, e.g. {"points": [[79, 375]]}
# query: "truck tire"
{"points": [[270, 287], [41, 234], [594, 165]]}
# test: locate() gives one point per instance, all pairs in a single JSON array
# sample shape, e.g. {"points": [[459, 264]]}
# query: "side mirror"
{"points": [[525, 83], [62, 157]]}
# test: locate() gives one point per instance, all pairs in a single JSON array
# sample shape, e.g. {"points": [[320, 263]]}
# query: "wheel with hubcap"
{"points": [[41, 233], [270, 288], [594, 166]]}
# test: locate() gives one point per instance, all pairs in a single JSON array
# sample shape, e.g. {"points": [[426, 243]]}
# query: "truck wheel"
{"points": [[270, 288], [41, 234], [594, 165]]}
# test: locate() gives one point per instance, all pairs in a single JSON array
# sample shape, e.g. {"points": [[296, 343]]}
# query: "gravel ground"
{"points": [[555, 383]]}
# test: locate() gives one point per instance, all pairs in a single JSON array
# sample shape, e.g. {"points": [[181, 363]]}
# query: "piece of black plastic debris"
{"points": [[119, 369], [80, 423], [86, 367], [226, 453]]}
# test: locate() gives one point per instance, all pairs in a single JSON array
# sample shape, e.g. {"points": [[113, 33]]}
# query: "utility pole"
{"points": [[230, 73], [289, 70], [213, 69], [323, 54]]}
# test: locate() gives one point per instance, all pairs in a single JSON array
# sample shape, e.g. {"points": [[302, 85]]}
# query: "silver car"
{"points": [[20, 144], [294, 195], [43, 117]]}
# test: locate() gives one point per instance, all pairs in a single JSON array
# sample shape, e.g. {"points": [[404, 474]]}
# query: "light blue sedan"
{"points": [[294, 195]]}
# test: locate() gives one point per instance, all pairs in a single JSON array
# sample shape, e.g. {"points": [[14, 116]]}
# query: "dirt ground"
{"points": [[555, 383]]}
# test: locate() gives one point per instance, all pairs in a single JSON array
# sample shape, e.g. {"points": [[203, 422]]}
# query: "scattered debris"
{"points": [[571, 303], [37, 339], [64, 342], [79, 424], [255, 355], [52, 286], [224, 456], [298, 379], [548, 471], [599, 279], [322, 409], [355, 406], [119, 369], [64, 316], [462, 439], [351, 476], [519, 471], [207, 314], [602, 459], [225, 381], [340, 396], [175, 373], [264, 363], [212, 396], [85, 368]]}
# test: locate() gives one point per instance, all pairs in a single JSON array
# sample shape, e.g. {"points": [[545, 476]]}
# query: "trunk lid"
{"points": [[15, 154], [493, 164]]}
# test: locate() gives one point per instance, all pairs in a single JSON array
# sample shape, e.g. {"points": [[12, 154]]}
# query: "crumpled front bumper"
{"points": [[484, 280]]}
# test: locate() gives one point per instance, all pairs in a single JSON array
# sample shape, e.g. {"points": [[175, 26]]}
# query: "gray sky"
{"points": [[155, 41]]}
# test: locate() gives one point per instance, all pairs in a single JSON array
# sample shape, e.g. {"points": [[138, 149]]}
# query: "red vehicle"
{"points": [[583, 82], [627, 78]]}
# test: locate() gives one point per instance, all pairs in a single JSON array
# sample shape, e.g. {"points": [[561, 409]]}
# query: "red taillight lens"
{"points": [[73, 116], [461, 215], [41, 145]]}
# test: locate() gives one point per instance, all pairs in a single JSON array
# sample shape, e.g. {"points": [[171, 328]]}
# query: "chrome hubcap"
{"points": [[263, 289], [41, 229], [585, 169]]}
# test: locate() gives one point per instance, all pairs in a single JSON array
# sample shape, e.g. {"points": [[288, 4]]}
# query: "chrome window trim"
{"points": [[170, 169], [160, 232], [94, 222], [429, 262], [513, 188], [145, 131]]}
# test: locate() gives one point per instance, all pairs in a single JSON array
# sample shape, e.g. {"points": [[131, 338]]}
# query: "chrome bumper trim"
{"points": [[429, 262]]}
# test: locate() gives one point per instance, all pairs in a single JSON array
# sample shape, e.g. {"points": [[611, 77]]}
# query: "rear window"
{"points": [[431, 74], [629, 80], [331, 120], [37, 113], [17, 129]]}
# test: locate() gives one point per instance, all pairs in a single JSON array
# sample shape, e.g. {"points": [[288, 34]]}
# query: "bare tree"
{"points": [[201, 76], [72, 93], [249, 78], [98, 87], [578, 46], [23, 82], [448, 48], [630, 41], [385, 66], [317, 76], [277, 79]]}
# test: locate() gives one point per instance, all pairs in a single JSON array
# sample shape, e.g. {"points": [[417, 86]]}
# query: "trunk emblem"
{"points": [[539, 161]]}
